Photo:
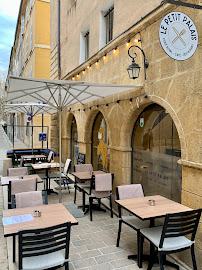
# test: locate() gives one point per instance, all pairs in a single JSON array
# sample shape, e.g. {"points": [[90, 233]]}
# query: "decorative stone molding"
{"points": [[190, 164]]}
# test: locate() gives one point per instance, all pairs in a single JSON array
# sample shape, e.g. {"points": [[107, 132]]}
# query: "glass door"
{"points": [[156, 150]]}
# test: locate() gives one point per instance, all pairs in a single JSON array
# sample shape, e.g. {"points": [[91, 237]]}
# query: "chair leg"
{"points": [[75, 194], [84, 201], [110, 198], [67, 266], [151, 257], [193, 258], [140, 240], [161, 260], [14, 242], [119, 233], [90, 208]]}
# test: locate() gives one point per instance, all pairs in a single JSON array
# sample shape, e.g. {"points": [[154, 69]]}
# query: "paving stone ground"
{"points": [[93, 244]]}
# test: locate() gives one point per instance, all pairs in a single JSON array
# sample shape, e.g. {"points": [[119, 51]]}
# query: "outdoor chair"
{"points": [[21, 185], [129, 192], [42, 248], [103, 189], [7, 163], [31, 198], [170, 238], [64, 177], [80, 186], [50, 156], [18, 171]]}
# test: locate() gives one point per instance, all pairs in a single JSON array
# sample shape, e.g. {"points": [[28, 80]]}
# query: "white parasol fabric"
{"points": [[60, 94], [31, 107]]}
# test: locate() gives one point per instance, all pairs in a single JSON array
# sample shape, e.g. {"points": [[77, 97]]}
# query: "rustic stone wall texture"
{"points": [[175, 85]]}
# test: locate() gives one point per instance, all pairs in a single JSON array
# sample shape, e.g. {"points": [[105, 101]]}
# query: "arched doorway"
{"points": [[100, 152], [155, 152], [74, 147]]}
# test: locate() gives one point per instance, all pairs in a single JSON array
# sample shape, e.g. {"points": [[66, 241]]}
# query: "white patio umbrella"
{"points": [[30, 107], [60, 94]]}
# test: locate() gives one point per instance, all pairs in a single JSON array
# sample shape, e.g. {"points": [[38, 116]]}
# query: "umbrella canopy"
{"points": [[60, 94], [31, 107]]}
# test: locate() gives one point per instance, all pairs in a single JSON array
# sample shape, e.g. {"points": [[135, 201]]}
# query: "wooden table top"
{"points": [[5, 180], [33, 156], [86, 175], [51, 215], [45, 165], [141, 208]]}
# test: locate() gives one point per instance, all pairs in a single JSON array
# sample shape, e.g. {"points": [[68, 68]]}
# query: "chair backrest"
{"points": [[67, 166], [23, 185], [7, 163], [17, 171], [21, 161], [50, 156], [180, 224], [32, 198], [44, 241], [129, 191], [83, 167], [103, 185]]}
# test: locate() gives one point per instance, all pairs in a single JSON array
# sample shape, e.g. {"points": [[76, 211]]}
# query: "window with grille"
{"points": [[109, 17], [84, 44]]}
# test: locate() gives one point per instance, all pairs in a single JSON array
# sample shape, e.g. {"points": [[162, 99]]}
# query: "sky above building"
{"points": [[8, 18]]}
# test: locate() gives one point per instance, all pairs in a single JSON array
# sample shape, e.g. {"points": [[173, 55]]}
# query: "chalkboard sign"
{"points": [[81, 158]]}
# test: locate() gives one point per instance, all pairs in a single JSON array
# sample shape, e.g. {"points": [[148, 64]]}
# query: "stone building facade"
{"points": [[172, 88]]}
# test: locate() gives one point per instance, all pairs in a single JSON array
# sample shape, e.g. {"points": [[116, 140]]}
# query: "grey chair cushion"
{"points": [[169, 244], [82, 186], [44, 261], [56, 175], [135, 222]]}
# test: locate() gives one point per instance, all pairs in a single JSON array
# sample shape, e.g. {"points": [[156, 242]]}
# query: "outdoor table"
{"points": [[85, 176], [140, 208], [46, 166], [51, 215]]}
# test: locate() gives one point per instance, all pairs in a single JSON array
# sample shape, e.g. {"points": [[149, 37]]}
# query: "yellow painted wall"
{"points": [[42, 23], [42, 63]]}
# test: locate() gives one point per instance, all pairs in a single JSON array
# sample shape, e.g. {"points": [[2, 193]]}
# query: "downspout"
{"points": [[58, 43]]}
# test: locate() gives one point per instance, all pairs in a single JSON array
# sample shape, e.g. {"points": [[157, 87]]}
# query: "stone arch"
{"points": [[127, 130], [90, 121]]}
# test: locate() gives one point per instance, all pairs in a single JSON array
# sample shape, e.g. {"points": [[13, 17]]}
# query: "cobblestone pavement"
{"points": [[93, 244]]}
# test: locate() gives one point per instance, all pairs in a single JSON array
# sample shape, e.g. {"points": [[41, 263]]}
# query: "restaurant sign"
{"points": [[178, 36]]}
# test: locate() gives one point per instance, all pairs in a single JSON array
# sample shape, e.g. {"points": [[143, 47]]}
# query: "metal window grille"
{"points": [[86, 45], [109, 24]]}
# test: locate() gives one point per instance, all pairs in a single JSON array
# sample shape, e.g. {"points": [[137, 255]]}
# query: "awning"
{"points": [[31, 108], [60, 93]]}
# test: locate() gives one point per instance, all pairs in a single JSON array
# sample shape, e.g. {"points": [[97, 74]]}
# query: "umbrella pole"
{"points": [[60, 152], [32, 129]]}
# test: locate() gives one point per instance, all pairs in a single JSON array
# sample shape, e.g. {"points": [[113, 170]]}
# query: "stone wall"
{"points": [[175, 85]]}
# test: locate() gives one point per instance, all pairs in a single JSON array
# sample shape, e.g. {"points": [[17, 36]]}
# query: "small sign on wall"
{"points": [[178, 36], [42, 137]]}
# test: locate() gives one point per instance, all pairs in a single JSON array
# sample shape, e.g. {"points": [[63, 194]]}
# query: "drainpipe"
{"points": [[58, 43]]}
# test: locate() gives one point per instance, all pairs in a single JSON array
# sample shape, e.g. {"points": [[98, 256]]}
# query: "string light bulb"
{"points": [[115, 49], [104, 57], [97, 62], [88, 67], [84, 72], [77, 75], [73, 78], [131, 100], [128, 43]]}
